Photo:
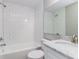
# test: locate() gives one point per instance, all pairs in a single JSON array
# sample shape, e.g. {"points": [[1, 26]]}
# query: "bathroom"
{"points": [[27, 25]]}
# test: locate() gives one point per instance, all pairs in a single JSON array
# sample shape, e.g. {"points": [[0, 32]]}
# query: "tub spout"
{"points": [[3, 44]]}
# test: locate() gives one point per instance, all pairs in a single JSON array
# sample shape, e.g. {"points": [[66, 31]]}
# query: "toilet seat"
{"points": [[36, 54]]}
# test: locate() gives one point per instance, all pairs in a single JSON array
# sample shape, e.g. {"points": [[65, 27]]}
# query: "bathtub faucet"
{"points": [[3, 44]]}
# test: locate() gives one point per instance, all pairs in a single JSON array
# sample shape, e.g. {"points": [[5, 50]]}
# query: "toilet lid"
{"points": [[36, 54]]}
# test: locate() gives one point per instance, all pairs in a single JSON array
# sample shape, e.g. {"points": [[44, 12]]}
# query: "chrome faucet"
{"points": [[3, 44], [75, 38], [1, 38]]}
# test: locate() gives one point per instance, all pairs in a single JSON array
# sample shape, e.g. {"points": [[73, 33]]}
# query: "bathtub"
{"points": [[18, 51]]}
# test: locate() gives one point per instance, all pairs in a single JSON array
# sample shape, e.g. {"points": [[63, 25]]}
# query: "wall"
{"points": [[49, 3], [38, 30], [48, 22], [0, 19], [72, 19], [18, 24]]}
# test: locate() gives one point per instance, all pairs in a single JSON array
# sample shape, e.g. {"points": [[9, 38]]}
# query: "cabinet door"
{"points": [[51, 53]]}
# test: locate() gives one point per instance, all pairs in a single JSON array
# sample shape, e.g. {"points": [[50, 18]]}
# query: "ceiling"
{"points": [[51, 5], [59, 4], [31, 3]]}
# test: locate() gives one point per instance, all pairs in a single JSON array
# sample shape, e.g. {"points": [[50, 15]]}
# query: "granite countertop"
{"points": [[65, 49]]}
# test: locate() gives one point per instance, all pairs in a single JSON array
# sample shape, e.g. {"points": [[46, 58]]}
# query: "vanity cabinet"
{"points": [[51, 53]]}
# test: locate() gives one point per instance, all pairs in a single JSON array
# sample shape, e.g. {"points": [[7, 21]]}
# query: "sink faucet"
{"points": [[75, 38], [58, 35]]}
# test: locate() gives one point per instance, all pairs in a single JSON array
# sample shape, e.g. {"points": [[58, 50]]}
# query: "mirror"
{"points": [[61, 18]]}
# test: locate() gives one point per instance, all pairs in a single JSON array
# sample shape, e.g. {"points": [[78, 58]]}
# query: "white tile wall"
{"points": [[22, 24], [38, 34], [0, 19], [19, 24]]}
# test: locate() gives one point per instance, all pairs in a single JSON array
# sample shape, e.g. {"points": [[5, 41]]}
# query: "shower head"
{"points": [[2, 4]]}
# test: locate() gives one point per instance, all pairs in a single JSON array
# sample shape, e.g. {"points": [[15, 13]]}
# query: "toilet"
{"points": [[36, 54]]}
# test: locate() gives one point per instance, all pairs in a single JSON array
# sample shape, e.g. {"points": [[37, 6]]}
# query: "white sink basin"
{"points": [[63, 42], [67, 48]]}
